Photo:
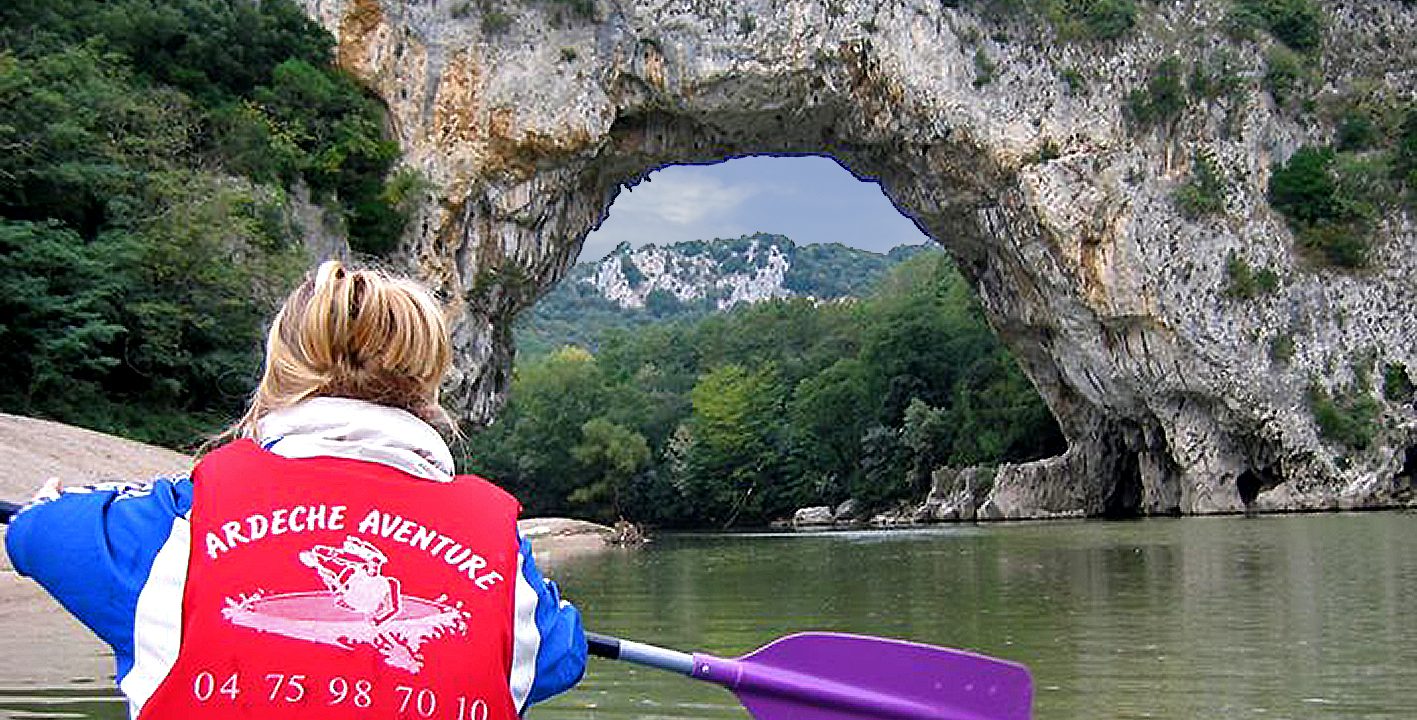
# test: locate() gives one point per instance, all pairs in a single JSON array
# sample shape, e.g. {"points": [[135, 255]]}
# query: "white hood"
{"points": [[358, 430]]}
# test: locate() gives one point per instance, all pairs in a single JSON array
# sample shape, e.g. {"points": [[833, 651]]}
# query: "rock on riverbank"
{"points": [[964, 495]]}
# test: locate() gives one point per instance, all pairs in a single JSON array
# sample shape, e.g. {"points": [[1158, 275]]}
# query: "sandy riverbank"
{"points": [[33, 450]]}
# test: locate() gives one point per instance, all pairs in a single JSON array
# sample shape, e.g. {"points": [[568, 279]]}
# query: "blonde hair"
{"points": [[361, 334]]}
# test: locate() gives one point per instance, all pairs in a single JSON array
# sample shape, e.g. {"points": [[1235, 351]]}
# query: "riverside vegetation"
{"points": [[152, 157], [741, 417]]}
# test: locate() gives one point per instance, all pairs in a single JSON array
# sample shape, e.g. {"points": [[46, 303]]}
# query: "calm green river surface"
{"points": [[1274, 617]]}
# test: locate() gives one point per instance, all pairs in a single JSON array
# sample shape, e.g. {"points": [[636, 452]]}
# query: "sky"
{"points": [[808, 199]]}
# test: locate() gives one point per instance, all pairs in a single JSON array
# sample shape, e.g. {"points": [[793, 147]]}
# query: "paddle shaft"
{"points": [[613, 648]]}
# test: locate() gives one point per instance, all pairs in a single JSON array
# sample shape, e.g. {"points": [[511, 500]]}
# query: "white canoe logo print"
{"points": [[359, 605]]}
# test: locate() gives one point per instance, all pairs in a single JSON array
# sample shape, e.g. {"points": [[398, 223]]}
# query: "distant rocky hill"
{"points": [[634, 286]]}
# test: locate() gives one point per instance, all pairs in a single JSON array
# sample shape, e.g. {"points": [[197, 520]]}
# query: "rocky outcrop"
{"points": [[955, 495], [1008, 145], [628, 277], [815, 516]]}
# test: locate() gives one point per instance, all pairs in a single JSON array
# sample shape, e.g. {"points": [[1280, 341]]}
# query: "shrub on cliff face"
{"points": [[1286, 75], [1290, 65], [984, 68], [1246, 283], [1281, 347], [1073, 19], [1364, 188], [1303, 187], [1296, 23], [1404, 161], [1099, 19], [1164, 97], [1335, 244], [1218, 77], [1356, 131], [584, 9], [1204, 193], [1332, 201], [1349, 419], [1397, 384]]}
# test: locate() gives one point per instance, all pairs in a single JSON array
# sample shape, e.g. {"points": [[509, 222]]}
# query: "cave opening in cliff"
{"points": [[1123, 501], [1250, 483]]}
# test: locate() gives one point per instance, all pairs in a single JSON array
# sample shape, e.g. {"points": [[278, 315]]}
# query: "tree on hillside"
{"points": [[733, 464], [57, 311], [830, 412], [608, 457], [146, 232], [530, 447]]}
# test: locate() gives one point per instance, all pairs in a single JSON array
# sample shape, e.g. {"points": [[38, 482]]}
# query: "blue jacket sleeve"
{"points": [[561, 656], [93, 547]]}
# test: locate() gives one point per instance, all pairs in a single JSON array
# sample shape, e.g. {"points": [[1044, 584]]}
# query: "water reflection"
{"points": [[1205, 617], [99, 702], [1274, 617]]}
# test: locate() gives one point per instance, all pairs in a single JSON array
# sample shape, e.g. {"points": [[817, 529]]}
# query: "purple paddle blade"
{"points": [[831, 676]]}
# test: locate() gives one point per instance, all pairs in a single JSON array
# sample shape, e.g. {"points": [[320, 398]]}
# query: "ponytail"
{"points": [[359, 334]]}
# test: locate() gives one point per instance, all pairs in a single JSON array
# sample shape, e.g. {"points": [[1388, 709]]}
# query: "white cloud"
{"points": [[809, 199], [682, 200]]}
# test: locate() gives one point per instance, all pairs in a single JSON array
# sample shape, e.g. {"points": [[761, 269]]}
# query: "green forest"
{"points": [[152, 153], [741, 417]]}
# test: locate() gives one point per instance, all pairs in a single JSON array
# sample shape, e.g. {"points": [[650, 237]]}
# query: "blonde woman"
{"points": [[324, 562]]}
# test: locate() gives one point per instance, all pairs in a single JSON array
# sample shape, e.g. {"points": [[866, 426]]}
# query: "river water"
{"points": [[1308, 616]]}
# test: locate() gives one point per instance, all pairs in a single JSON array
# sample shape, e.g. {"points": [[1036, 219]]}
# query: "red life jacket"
{"points": [[334, 588]]}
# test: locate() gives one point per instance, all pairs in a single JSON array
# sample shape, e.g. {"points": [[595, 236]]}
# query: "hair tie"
{"points": [[329, 269]]}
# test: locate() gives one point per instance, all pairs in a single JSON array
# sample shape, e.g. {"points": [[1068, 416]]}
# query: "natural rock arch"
{"points": [[527, 120]]}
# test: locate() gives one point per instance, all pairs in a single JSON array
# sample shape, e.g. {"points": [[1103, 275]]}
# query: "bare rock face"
{"points": [[529, 117], [812, 516]]}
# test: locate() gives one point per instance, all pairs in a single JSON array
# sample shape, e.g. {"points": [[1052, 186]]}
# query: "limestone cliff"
{"points": [[692, 278], [1007, 143], [722, 273]]}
